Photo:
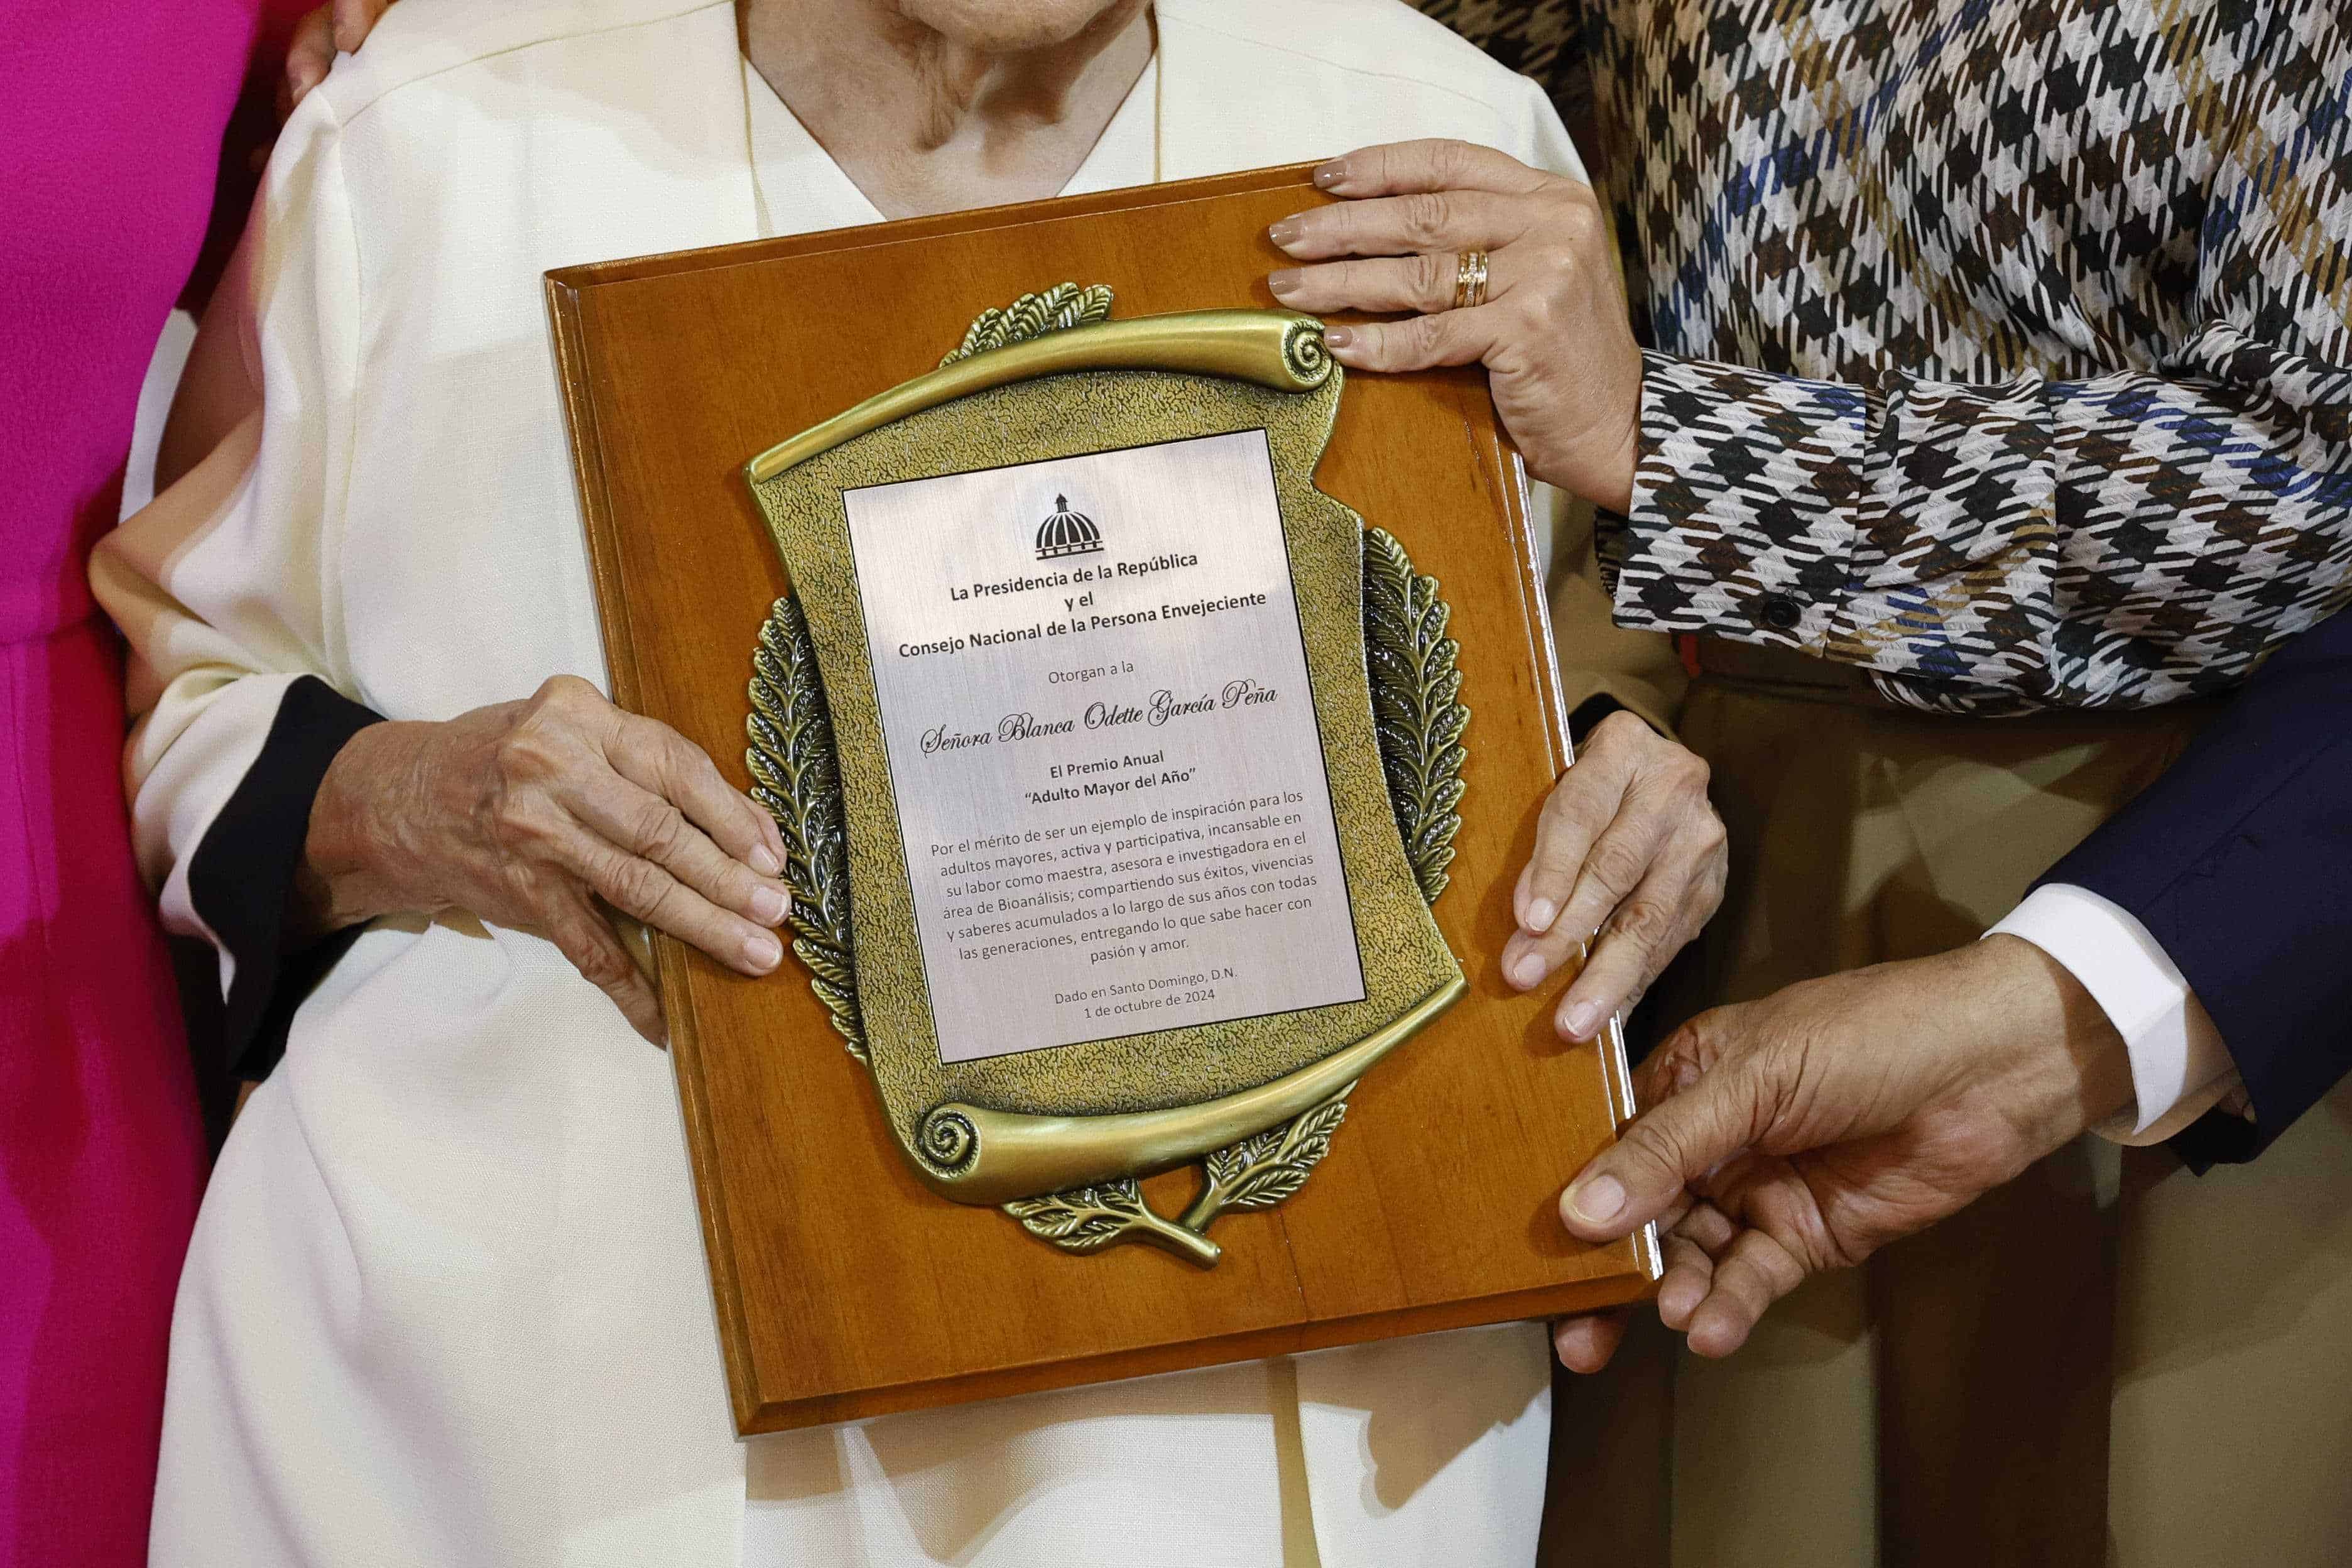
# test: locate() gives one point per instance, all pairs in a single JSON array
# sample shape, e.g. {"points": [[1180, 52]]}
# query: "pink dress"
{"points": [[111, 115]]}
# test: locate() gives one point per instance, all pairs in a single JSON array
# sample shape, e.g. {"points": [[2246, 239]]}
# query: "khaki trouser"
{"points": [[2106, 1361]]}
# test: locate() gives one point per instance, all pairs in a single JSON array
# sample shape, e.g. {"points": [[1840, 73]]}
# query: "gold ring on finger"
{"points": [[1469, 279]]}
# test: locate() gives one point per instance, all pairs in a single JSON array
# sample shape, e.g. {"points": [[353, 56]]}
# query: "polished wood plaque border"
{"points": [[844, 1288]]}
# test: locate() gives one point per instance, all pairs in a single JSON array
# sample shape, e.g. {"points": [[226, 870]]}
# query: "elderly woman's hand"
{"points": [[525, 814], [1553, 331], [1627, 846]]}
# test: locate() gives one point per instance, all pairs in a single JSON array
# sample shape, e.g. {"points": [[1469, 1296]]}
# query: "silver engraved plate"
{"points": [[1110, 783]]}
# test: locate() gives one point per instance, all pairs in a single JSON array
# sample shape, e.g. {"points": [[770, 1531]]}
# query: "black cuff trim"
{"points": [[1589, 714], [241, 880]]}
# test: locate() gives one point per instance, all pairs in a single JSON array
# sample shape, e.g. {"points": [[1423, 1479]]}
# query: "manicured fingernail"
{"points": [[1284, 283], [769, 907], [1286, 232], [762, 859], [1596, 1202], [1540, 912], [1529, 971], [1339, 337], [1331, 174], [1581, 1020], [763, 952]]}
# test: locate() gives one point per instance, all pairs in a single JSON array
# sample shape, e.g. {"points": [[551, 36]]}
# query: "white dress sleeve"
{"points": [[224, 587]]}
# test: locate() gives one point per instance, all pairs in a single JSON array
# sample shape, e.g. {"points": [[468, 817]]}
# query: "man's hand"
{"points": [[1629, 856], [1806, 1130]]}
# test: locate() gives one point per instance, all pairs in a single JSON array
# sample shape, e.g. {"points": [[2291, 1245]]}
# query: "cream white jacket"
{"points": [[446, 1303]]}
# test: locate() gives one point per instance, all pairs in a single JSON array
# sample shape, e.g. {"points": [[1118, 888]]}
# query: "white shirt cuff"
{"points": [[2180, 1068]]}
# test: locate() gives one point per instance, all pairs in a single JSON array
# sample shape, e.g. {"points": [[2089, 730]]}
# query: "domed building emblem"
{"points": [[1067, 532]]}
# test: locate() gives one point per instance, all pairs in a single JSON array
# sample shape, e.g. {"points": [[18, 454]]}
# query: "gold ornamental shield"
{"points": [[1060, 1137]]}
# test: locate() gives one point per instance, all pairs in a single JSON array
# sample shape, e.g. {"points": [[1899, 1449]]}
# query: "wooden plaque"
{"points": [[844, 1286]]}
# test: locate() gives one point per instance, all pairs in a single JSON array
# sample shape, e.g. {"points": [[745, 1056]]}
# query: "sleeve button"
{"points": [[1782, 613]]}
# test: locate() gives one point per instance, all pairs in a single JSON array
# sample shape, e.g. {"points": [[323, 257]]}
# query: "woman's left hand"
{"points": [[1553, 331], [1629, 860], [337, 28]]}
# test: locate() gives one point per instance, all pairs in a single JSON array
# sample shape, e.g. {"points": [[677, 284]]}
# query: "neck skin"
{"points": [[979, 109]]}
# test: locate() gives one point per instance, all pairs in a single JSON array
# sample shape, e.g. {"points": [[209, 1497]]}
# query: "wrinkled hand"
{"points": [[1554, 333], [525, 814], [340, 26], [1804, 1131], [1627, 846]]}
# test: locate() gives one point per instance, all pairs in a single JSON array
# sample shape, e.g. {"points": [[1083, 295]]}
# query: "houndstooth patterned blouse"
{"points": [[2000, 346]]}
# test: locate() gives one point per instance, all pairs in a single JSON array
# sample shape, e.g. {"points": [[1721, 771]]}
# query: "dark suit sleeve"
{"points": [[2238, 862]]}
